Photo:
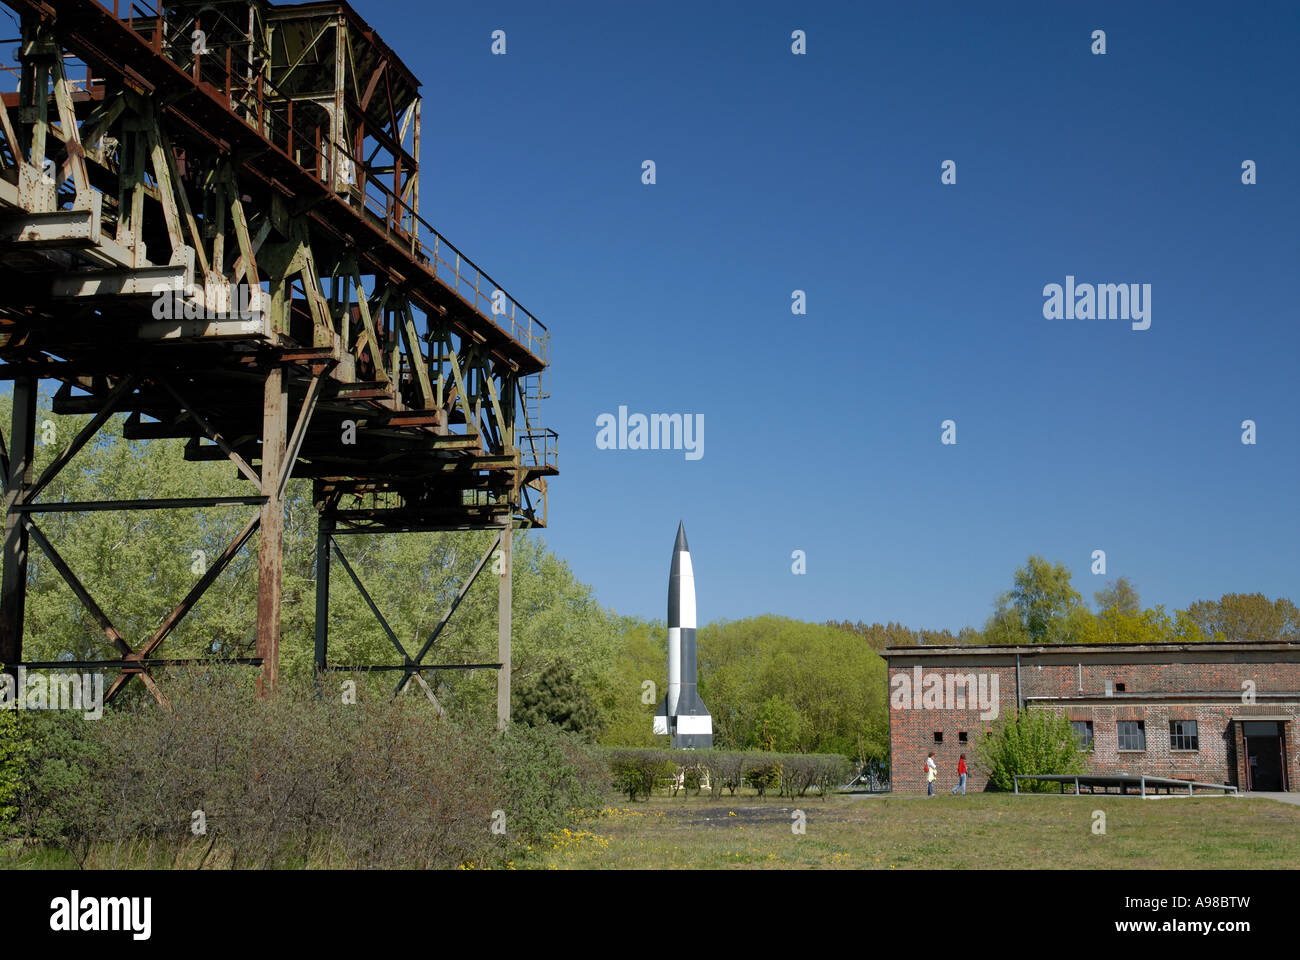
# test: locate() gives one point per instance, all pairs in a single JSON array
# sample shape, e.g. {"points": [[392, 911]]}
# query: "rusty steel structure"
{"points": [[209, 222]]}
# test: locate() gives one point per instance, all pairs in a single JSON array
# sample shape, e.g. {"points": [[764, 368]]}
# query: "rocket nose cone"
{"points": [[680, 546]]}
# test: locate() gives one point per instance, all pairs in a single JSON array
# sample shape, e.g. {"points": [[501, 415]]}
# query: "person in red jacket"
{"points": [[961, 775]]}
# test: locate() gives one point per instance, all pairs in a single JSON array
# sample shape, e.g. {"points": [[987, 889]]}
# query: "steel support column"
{"points": [[270, 549], [324, 530], [503, 626], [13, 590]]}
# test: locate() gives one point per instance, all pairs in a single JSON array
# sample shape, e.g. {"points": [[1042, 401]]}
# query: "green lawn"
{"points": [[883, 832], [972, 832]]}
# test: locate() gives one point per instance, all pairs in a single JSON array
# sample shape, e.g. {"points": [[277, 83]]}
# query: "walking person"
{"points": [[961, 775], [931, 774]]}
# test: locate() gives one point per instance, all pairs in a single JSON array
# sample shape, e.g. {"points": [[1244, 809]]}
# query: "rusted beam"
{"points": [[84, 435], [299, 433], [270, 548], [13, 588], [211, 433], [504, 597]]}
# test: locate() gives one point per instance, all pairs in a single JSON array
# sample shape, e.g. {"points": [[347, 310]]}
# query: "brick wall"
{"points": [[1205, 686]]}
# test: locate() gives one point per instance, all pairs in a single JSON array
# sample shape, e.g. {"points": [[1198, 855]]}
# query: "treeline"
{"points": [[1043, 606], [770, 683], [882, 635]]}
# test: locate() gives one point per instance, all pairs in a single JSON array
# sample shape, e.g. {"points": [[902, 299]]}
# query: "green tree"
{"points": [[640, 680], [1032, 741], [1043, 597], [779, 726], [556, 696], [833, 681], [14, 750], [1247, 618], [1041, 607], [1119, 595]]}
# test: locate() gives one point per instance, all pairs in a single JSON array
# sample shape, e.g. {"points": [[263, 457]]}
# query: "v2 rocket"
{"points": [[682, 713]]}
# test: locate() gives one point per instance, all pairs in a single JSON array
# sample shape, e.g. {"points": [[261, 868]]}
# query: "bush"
{"points": [[762, 773], [726, 770], [61, 792], [1032, 741], [14, 749], [832, 770], [294, 781], [545, 775], [636, 772]]}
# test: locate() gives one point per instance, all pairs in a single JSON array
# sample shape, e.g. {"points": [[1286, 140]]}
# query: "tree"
{"points": [[756, 674], [779, 726], [1043, 597], [1030, 741], [1119, 595], [1247, 618], [1004, 625], [1041, 607], [14, 750], [555, 696]]}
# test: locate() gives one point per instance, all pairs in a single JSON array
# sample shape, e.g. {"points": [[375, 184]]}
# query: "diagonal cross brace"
{"points": [[91, 606], [419, 657], [164, 629], [338, 552], [83, 437], [211, 433], [299, 433]]}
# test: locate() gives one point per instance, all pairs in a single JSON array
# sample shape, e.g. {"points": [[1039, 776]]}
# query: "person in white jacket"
{"points": [[931, 774]]}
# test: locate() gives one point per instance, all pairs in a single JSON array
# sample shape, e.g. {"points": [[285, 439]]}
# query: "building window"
{"points": [[1132, 735], [1082, 733], [1183, 735], [1119, 688], [961, 737], [938, 736]]}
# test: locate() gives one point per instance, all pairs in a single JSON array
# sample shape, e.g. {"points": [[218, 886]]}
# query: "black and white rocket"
{"points": [[682, 713]]}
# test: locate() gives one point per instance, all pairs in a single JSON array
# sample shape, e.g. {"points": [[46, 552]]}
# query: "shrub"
{"points": [[637, 771], [831, 772], [293, 781], [1032, 741], [726, 770], [14, 750], [762, 772], [541, 781]]}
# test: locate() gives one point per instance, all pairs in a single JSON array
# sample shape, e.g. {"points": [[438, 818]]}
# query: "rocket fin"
{"points": [[661, 717]]}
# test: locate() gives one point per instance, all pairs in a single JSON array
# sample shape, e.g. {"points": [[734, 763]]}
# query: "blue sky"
{"points": [[821, 172]]}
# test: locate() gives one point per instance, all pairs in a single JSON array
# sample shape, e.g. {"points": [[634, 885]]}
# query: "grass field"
{"points": [[977, 831], [883, 832]]}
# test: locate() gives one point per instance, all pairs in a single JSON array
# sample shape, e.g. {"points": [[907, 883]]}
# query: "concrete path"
{"points": [[1290, 797]]}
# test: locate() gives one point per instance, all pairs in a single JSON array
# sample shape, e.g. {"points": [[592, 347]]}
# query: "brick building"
{"points": [[1213, 712]]}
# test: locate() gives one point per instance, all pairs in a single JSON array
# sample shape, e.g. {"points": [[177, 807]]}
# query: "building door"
{"points": [[1265, 755]]}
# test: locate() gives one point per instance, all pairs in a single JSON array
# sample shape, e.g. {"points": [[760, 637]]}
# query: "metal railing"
{"points": [[539, 447]]}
